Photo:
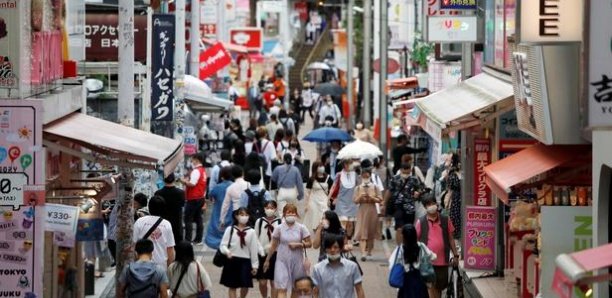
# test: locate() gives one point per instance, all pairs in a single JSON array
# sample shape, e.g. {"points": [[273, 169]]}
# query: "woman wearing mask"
{"points": [[264, 227], [295, 149], [187, 276], [241, 250], [412, 254], [364, 134], [316, 200], [345, 206], [367, 195], [289, 241], [330, 224], [217, 194], [452, 201], [288, 178]]}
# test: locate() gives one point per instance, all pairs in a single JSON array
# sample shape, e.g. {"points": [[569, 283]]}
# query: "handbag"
{"points": [[202, 292], [220, 259], [455, 288], [396, 275], [425, 266], [351, 257], [307, 264]]}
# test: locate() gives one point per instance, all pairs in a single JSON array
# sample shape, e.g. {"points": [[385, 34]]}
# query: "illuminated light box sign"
{"points": [[551, 20], [458, 4], [452, 29]]}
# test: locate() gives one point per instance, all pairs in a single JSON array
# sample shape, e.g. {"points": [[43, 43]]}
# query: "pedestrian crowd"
{"points": [[258, 231]]}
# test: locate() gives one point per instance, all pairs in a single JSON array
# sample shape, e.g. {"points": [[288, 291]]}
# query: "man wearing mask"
{"points": [[400, 199], [330, 112], [195, 192], [436, 231], [333, 164], [337, 276]]}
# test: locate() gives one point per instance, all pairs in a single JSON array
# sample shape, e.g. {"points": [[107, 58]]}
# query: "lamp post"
{"points": [[384, 37]]}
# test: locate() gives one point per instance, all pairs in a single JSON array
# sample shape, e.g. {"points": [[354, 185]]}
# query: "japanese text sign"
{"points": [[458, 4], [452, 28], [249, 37], [433, 8], [102, 37], [21, 228], [479, 252], [162, 69], [600, 64], [61, 218], [213, 59], [482, 158], [551, 20]]}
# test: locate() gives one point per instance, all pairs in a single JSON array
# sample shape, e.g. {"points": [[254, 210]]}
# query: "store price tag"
{"points": [[61, 218], [11, 189]]}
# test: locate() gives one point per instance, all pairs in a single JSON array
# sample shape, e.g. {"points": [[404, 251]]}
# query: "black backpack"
{"points": [[255, 205]]}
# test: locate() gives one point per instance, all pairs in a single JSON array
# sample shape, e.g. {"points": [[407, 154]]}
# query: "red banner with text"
{"points": [[482, 158], [213, 59]]}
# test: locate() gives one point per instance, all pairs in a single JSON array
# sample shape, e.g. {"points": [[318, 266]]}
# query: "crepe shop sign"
{"points": [[451, 29]]}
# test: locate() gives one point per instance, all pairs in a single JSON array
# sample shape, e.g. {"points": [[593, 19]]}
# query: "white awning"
{"points": [[468, 103], [112, 143], [200, 98]]}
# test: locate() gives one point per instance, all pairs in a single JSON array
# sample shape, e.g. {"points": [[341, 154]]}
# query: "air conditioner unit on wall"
{"points": [[546, 92]]}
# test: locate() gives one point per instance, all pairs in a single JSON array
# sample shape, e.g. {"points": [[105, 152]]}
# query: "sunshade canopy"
{"points": [[200, 97]]}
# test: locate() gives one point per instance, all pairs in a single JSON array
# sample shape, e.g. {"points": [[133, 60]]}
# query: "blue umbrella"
{"points": [[328, 134]]}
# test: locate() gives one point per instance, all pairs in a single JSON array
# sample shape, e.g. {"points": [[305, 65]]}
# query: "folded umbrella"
{"points": [[332, 89], [359, 150], [328, 134]]}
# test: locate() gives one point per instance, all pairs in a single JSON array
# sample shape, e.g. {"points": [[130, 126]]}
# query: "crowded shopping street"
{"points": [[302, 148]]}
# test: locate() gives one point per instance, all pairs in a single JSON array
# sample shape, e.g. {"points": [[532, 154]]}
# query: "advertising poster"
{"points": [[600, 65], [21, 228], [399, 12], [11, 69], [102, 37], [190, 141], [208, 18], [340, 50], [162, 70], [482, 158], [479, 252]]}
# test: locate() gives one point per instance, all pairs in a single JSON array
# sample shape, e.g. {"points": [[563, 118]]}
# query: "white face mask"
{"points": [[325, 223], [290, 219], [243, 219], [329, 103], [432, 209], [321, 170], [359, 126], [270, 212], [333, 257]]}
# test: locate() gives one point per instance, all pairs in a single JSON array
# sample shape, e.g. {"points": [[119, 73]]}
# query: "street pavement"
{"points": [[375, 269]]}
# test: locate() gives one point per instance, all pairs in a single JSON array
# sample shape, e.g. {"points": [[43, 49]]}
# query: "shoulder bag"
{"points": [[351, 257], [396, 275], [220, 259], [425, 266], [178, 284], [152, 229], [202, 291]]}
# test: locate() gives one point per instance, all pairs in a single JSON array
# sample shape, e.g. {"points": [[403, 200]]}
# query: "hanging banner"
{"points": [[213, 59], [600, 64], [482, 158], [162, 69], [21, 228], [190, 140], [340, 48], [479, 246], [209, 18]]}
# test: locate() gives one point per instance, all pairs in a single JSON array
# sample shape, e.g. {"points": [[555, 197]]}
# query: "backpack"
{"points": [[255, 205], [142, 283]]}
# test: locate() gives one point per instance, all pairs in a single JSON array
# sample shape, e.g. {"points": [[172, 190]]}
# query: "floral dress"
{"points": [[454, 184]]}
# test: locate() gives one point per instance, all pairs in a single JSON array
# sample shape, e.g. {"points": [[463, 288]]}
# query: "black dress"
{"points": [[414, 285]]}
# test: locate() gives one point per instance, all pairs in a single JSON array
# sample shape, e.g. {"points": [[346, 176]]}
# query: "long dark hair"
{"points": [[334, 222], [184, 255], [410, 245]]}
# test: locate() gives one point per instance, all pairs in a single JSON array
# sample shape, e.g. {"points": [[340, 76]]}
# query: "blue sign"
{"points": [[162, 67], [458, 4]]}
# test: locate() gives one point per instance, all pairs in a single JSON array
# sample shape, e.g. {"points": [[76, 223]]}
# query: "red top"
{"points": [[199, 190], [435, 242]]}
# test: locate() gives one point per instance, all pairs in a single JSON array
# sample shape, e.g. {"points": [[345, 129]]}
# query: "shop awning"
{"points": [[468, 103], [200, 97], [403, 83], [577, 268], [112, 143], [526, 164], [228, 46]]}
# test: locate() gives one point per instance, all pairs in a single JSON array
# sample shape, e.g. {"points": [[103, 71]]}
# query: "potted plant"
{"points": [[421, 51]]}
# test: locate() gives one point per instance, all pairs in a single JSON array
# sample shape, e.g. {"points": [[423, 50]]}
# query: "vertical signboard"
{"points": [[12, 44], [482, 158], [162, 69], [564, 230], [21, 229], [479, 252], [552, 20], [600, 64]]}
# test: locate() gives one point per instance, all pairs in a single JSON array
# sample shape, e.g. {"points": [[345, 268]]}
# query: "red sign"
{"points": [[102, 37], [213, 59], [482, 158], [433, 9], [249, 37], [301, 8]]}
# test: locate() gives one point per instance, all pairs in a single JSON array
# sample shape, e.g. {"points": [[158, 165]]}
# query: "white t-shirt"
{"points": [[194, 177], [162, 237]]}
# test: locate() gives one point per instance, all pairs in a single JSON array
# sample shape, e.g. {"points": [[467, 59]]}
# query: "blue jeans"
{"points": [[193, 214]]}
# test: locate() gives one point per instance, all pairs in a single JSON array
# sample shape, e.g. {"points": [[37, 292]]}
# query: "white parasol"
{"points": [[359, 150]]}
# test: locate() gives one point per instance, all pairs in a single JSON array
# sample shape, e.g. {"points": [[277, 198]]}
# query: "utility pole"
{"points": [[384, 38], [194, 61], [179, 62], [125, 104], [349, 64], [367, 33]]}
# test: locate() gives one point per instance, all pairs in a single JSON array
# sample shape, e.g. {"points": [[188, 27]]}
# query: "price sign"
{"points": [[61, 218], [11, 188]]}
